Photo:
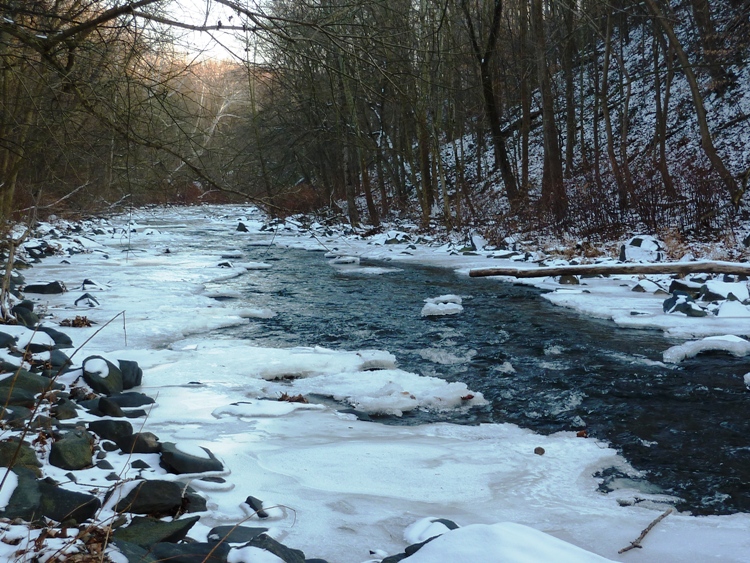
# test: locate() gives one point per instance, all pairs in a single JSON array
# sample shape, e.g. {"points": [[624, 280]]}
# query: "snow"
{"points": [[342, 487], [442, 305], [506, 541], [96, 366], [11, 482], [728, 343], [252, 555]]}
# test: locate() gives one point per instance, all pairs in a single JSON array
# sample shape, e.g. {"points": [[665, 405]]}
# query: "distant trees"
{"points": [[375, 106]]}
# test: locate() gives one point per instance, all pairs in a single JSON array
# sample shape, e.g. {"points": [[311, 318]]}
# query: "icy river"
{"points": [[539, 366]]}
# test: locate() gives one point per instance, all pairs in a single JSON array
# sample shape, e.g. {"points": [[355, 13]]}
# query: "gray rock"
{"points": [[180, 462], [26, 498], [146, 532], [63, 505], [61, 339], [193, 502], [7, 341], [46, 289], [132, 374], [190, 552], [73, 451], [130, 400], [152, 497], [140, 443], [134, 553], [15, 415], [109, 408], [241, 227], [285, 553], [25, 317], [568, 279], [234, 534], [26, 457], [111, 429], [257, 506], [109, 383], [15, 396], [64, 409], [22, 379]]}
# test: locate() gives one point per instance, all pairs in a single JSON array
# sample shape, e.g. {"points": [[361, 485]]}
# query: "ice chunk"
{"points": [[728, 343]]}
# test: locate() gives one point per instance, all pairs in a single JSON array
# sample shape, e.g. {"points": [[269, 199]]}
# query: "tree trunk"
{"points": [[554, 197], [735, 191]]}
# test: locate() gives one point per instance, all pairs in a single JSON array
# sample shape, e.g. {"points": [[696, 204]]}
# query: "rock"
{"points": [[568, 279], [7, 341], [139, 464], [104, 464], [539, 450], [134, 553], [682, 304], [62, 505], [26, 497], [86, 300], [642, 248], [61, 339], [59, 361], [15, 415], [151, 497], [109, 408], [17, 397], [46, 289], [129, 400], [132, 375], [193, 502], [686, 288], [281, 551], [257, 506], [139, 443], [191, 552], [145, 532], [102, 375], [26, 457], [177, 461], [73, 451], [64, 409], [241, 227], [108, 446], [111, 429], [22, 379], [24, 316], [234, 534]]}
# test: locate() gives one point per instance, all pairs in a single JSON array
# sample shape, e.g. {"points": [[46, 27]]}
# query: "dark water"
{"points": [[687, 427]]}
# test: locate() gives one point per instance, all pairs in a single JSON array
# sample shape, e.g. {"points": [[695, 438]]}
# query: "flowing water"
{"points": [[539, 366]]}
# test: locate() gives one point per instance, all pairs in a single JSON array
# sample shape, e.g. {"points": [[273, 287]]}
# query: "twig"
{"points": [[639, 539]]}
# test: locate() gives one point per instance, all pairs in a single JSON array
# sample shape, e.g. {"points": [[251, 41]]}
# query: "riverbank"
{"points": [[334, 486]]}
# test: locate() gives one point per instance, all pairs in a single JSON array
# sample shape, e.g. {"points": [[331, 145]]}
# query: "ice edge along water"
{"points": [[345, 488]]}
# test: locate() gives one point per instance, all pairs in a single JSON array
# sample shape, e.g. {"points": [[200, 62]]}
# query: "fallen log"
{"points": [[682, 268]]}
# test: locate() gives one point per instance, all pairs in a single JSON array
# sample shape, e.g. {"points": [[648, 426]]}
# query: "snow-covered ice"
{"points": [[345, 487]]}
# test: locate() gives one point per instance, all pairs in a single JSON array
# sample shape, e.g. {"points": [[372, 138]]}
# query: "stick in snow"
{"points": [[639, 539]]}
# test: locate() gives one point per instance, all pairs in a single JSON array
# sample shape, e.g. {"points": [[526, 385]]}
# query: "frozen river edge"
{"points": [[343, 489]]}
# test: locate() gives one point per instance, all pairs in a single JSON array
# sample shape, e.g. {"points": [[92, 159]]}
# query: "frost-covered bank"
{"points": [[331, 485]]}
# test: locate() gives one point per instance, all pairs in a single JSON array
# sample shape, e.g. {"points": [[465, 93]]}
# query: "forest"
{"points": [[586, 117]]}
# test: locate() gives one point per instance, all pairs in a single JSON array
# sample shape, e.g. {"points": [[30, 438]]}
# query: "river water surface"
{"points": [[539, 366]]}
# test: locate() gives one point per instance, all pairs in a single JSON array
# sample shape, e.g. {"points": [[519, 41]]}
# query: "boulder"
{"points": [[177, 461], [568, 279], [16, 416], [130, 400], [191, 552], [102, 375], [132, 374], [64, 409], [73, 451], [134, 553], [111, 429], [26, 497], [63, 505], [194, 502], [61, 339], [234, 534], [7, 341], [32, 382], [17, 397], [152, 497], [46, 289], [139, 443], [281, 551], [109, 408], [25, 317], [26, 457], [146, 532]]}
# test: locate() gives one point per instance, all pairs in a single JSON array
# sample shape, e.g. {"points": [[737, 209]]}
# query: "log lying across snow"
{"points": [[700, 267]]}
